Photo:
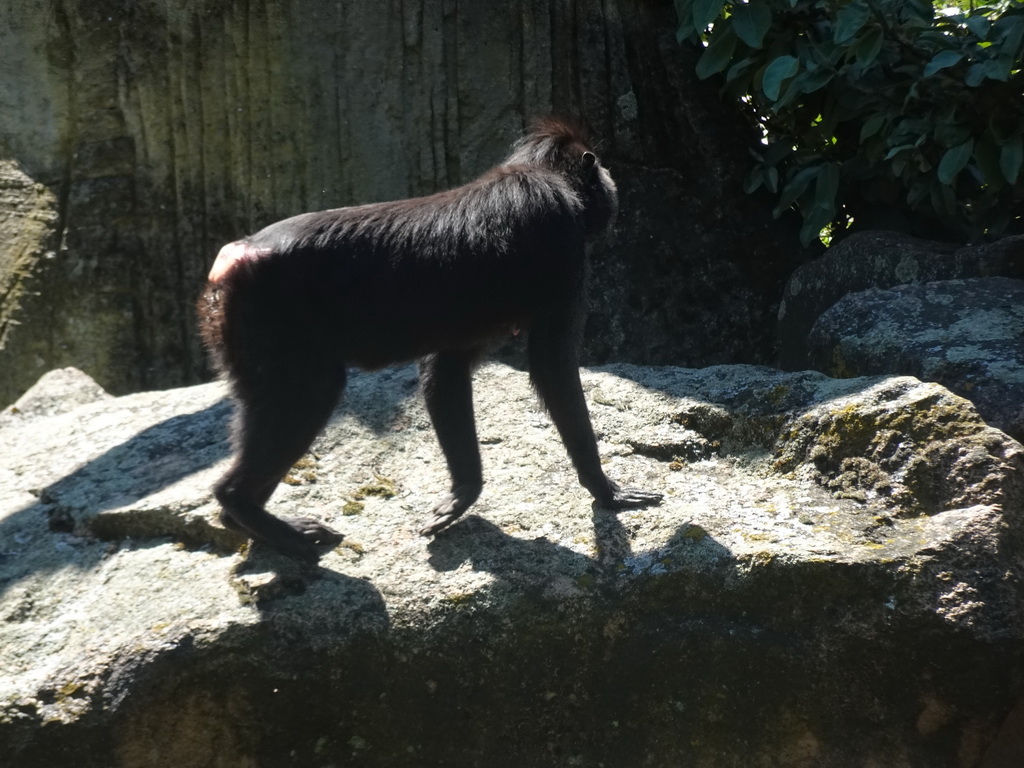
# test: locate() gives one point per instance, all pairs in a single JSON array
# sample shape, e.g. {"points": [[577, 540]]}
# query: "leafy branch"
{"points": [[876, 105]]}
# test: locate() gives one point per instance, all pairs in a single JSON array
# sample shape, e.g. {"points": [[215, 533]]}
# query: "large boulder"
{"points": [[876, 259], [967, 335], [833, 579]]}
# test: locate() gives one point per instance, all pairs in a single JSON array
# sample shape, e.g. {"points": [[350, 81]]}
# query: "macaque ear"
{"points": [[589, 160]]}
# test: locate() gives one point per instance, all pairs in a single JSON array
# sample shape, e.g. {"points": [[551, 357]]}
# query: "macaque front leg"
{"points": [[556, 377]]}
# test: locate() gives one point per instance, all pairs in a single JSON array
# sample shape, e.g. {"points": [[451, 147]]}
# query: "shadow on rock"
{"points": [[58, 529], [535, 565], [265, 579]]}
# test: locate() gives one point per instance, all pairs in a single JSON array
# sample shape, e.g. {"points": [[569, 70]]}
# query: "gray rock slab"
{"points": [[58, 391], [834, 578], [877, 259], [967, 335]]}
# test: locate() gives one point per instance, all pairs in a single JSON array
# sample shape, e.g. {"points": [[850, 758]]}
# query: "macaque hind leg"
{"points": [[448, 391], [278, 419]]}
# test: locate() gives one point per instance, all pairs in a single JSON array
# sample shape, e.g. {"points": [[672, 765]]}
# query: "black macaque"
{"points": [[437, 279]]}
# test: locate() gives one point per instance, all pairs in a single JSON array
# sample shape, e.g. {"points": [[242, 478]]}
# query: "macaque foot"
{"points": [[315, 532], [302, 538], [631, 498], [451, 508]]}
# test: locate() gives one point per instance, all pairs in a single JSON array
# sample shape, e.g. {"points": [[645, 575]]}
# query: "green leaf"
{"points": [[872, 126], [849, 20], [815, 220], [896, 150], [954, 161], [941, 60], [827, 186], [998, 68], [684, 12], [869, 46], [753, 180], [978, 25], [975, 75], [910, 128], [780, 69], [816, 80], [771, 179], [751, 22], [950, 133], [794, 189], [718, 54], [706, 11], [777, 151], [791, 91], [1012, 37], [1010, 159], [684, 32], [740, 68]]}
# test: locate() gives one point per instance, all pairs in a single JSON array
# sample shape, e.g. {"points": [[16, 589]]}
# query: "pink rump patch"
{"points": [[231, 254]]}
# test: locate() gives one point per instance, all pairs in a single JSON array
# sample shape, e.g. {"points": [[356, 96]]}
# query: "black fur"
{"points": [[437, 279]]}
